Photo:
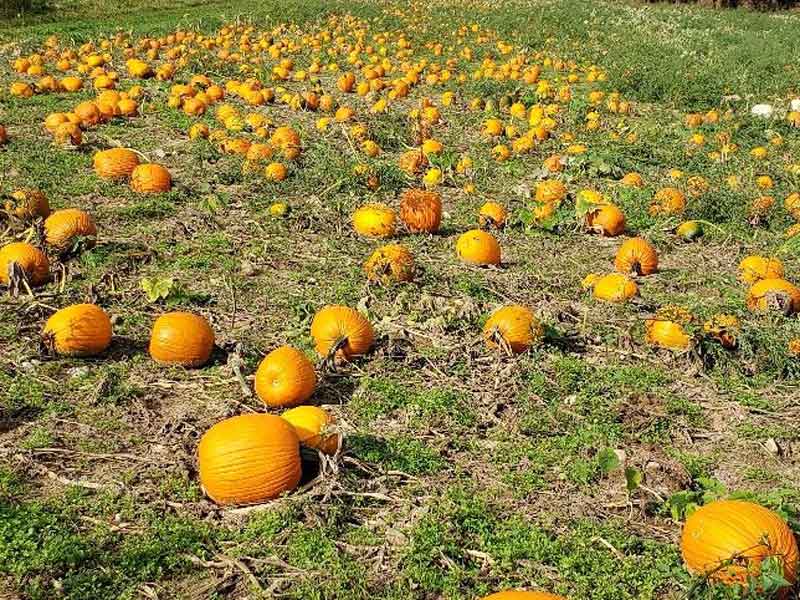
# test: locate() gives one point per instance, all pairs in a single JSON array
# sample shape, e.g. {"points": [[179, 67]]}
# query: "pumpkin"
{"points": [[421, 210], [774, 294], [88, 113], [115, 163], [636, 255], [150, 178], [78, 330], [392, 262], [249, 459], [550, 191], [285, 377], [668, 201], [689, 230], [27, 204], [181, 338], [374, 220], [666, 334], [285, 137], [275, 171], [792, 205], [312, 426], [492, 214], [633, 180], [614, 287], [29, 260], [514, 327], [478, 247], [754, 268], [411, 162], [341, 330], [723, 328], [68, 134], [520, 595], [63, 227], [727, 540], [607, 220]]}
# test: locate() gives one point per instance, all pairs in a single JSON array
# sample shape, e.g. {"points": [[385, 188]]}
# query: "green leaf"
{"points": [[633, 478], [607, 460], [157, 288]]}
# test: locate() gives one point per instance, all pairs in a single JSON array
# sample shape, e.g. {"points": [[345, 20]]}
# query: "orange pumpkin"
{"points": [[374, 220], [63, 227], [774, 294], [550, 191], [88, 113], [478, 247], [614, 287], [115, 163], [181, 338], [313, 427], [492, 214], [285, 378], [636, 256], [249, 459], [607, 220], [421, 210], [78, 330], [392, 262], [520, 595], [755, 268], [513, 326], [150, 178], [68, 134], [31, 262], [343, 330], [668, 201], [666, 334], [727, 540], [27, 204]]}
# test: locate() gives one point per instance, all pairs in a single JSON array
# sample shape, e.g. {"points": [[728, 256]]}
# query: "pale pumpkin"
{"points": [[285, 378], [181, 338], [249, 459], [514, 327], [314, 427], [755, 268], [343, 331], [392, 262], [374, 220], [78, 330]]}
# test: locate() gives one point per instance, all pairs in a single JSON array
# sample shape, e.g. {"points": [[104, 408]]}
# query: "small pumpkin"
{"points": [[614, 287], [513, 326], [492, 214], [550, 191], [478, 247], [181, 338], [521, 595], [754, 268], [249, 459], [727, 541], [68, 134], [285, 377], [774, 294], [636, 255], [27, 204], [632, 180], [88, 113], [392, 262], [150, 178], [78, 330], [374, 220], [607, 220], [421, 210], [20, 259], [63, 227], [666, 334], [313, 427], [668, 201], [115, 163], [342, 331], [689, 230]]}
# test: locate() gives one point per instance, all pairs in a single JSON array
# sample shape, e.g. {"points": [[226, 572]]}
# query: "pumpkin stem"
{"points": [[329, 363], [501, 342]]}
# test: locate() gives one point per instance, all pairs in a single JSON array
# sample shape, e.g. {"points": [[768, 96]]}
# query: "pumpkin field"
{"points": [[400, 300]]}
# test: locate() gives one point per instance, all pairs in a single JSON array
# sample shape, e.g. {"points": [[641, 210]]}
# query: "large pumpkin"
{"points": [[477, 247], [636, 256], [181, 338], [774, 295], [727, 540], [342, 328], [115, 163], [78, 330], [513, 325], [150, 178], [754, 268], [249, 459], [421, 210], [31, 261], [285, 377], [63, 227]]}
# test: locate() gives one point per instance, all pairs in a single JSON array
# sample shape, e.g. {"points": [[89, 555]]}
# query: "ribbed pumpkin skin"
{"points": [[727, 529], [769, 294], [248, 459], [78, 330], [181, 338], [519, 595], [517, 326], [478, 247], [392, 262], [615, 287], [755, 268], [421, 210], [608, 220], [309, 424], [374, 220], [150, 178], [28, 204], [63, 226], [115, 163], [666, 334], [285, 378], [333, 324], [29, 258], [636, 256]]}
